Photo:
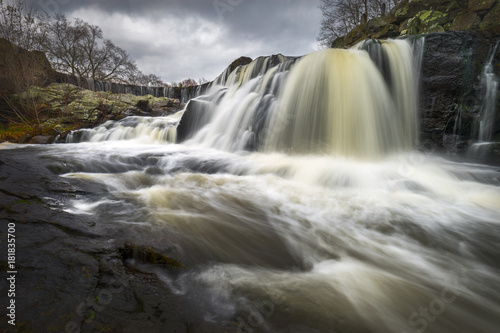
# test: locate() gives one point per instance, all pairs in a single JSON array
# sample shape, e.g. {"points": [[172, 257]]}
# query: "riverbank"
{"points": [[60, 108]]}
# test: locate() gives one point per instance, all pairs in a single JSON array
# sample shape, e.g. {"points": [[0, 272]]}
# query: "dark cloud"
{"points": [[198, 38]]}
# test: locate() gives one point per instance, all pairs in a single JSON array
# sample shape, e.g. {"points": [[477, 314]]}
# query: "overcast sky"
{"points": [[178, 39]]}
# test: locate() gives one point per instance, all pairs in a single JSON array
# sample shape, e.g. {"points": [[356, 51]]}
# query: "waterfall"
{"points": [[239, 110], [140, 129], [360, 102], [90, 83], [489, 84], [337, 102], [291, 196], [332, 101]]}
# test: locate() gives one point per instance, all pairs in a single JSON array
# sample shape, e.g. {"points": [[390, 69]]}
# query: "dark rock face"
{"points": [[196, 114], [451, 91], [241, 61]]}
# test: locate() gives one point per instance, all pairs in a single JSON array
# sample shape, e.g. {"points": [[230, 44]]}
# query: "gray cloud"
{"points": [[177, 39]]}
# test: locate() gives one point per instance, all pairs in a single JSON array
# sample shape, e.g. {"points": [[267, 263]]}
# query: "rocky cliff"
{"points": [[453, 89]]}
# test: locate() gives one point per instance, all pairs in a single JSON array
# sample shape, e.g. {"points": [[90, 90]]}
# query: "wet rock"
{"points": [[148, 254], [42, 139], [196, 114], [451, 90], [241, 61], [71, 272]]}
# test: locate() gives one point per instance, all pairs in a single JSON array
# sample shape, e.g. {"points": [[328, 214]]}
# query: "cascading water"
{"points": [[331, 224], [140, 129], [337, 102], [489, 82], [332, 101]]}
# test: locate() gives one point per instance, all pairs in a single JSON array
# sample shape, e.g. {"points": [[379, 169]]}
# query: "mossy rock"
{"points": [[427, 21], [491, 21], [355, 35], [389, 31], [409, 10], [465, 22], [480, 5], [338, 42]]}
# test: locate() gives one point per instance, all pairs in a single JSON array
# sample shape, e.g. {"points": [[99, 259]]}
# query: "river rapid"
{"points": [[281, 242]]}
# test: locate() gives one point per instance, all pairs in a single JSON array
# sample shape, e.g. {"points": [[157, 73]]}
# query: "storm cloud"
{"points": [[198, 38]]}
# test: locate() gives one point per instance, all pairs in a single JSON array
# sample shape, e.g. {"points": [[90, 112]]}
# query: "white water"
{"points": [[288, 241], [490, 86], [331, 225], [489, 82]]}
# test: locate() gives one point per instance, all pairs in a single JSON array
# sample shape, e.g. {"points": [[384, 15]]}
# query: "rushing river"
{"points": [[329, 223]]}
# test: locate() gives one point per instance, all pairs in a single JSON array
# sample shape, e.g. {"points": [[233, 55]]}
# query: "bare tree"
{"points": [[72, 47], [341, 16], [78, 48], [202, 81], [140, 79], [188, 83], [20, 24]]}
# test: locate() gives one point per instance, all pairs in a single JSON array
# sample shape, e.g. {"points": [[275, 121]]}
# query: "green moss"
{"points": [[429, 16], [401, 12]]}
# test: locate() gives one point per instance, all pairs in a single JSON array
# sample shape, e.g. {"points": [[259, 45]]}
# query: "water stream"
{"points": [[481, 149], [297, 202]]}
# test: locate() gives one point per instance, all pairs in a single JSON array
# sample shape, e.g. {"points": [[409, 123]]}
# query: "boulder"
{"points": [[241, 61], [480, 5], [427, 21], [491, 21], [143, 104], [408, 9], [42, 139], [196, 114], [466, 21]]}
